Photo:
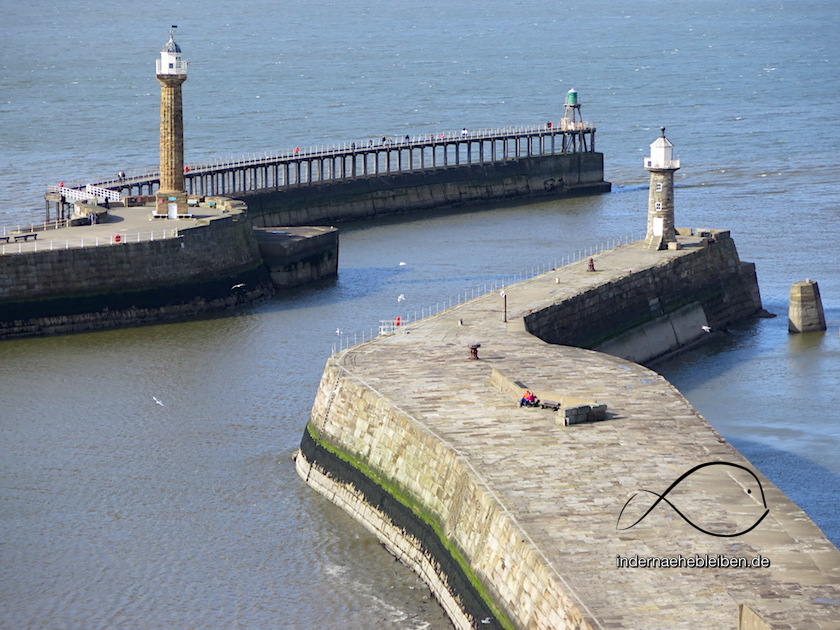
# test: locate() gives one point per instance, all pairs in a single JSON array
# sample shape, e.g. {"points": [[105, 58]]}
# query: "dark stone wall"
{"points": [[714, 276], [49, 292], [298, 256], [457, 186], [427, 541]]}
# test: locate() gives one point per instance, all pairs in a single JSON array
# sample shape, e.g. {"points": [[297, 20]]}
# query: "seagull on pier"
{"points": [[157, 400]]}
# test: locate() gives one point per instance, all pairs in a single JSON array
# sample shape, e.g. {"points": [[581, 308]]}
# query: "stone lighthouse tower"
{"points": [[171, 73], [660, 218]]}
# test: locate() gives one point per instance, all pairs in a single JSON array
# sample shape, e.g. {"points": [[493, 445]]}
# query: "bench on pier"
{"points": [[165, 215], [5, 238], [573, 409], [24, 237]]}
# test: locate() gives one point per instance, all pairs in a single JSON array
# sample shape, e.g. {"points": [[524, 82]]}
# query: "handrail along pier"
{"points": [[367, 158]]}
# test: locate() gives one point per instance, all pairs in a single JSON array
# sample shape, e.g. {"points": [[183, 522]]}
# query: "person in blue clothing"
{"points": [[528, 399]]}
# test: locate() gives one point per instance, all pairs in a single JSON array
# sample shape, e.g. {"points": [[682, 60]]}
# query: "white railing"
{"points": [[178, 67], [402, 322], [392, 141], [43, 226], [97, 191], [25, 247], [70, 193], [90, 191]]}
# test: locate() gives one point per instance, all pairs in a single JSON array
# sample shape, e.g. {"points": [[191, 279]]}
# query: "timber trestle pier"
{"points": [[300, 167]]}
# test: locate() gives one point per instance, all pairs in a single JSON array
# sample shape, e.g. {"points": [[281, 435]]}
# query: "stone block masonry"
{"points": [[68, 290], [712, 277], [805, 313], [512, 518], [375, 196], [298, 255]]}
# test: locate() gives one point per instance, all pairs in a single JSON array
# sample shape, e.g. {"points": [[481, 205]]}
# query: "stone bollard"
{"points": [[805, 313]]}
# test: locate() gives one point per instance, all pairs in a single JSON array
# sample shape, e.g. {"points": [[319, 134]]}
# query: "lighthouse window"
{"points": [[171, 65], [658, 186], [658, 205]]}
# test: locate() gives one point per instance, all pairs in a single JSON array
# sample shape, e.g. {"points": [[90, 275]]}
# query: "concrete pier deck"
{"points": [[545, 539], [130, 224]]}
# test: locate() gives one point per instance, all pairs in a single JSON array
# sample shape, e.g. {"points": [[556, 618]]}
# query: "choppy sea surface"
{"points": [[119, 512]]}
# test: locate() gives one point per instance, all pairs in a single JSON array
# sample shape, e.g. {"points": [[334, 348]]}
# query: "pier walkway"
{"points": [[558, 490], [119, 226], [302, 166]]}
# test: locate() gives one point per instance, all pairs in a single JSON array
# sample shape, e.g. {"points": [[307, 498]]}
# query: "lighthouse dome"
{"points": [[170, 46], [661, 154]]}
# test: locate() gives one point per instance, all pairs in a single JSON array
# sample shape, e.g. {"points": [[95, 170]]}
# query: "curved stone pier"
{"points": [[512, 517]]}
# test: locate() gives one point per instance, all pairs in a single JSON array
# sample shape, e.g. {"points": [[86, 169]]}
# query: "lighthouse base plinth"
{"points": [[173, 204]]}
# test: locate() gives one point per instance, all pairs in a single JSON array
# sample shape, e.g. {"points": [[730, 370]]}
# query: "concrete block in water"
{"points": [[805, 313]]}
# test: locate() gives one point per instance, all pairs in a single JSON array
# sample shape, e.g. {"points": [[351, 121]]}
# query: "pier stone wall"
{"points": [[559, 175], [509, 514], [297, 256], [712, 277], [422, 499], [47, 292]]}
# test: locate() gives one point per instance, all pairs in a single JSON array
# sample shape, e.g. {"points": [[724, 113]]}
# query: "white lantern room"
{"points": [[170, 61], [662, 154]]}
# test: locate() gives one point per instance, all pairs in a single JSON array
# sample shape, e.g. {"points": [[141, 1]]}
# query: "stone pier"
{"points": [[516, 519]]}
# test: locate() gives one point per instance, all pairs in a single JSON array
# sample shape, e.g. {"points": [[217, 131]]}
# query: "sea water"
{"points": [[121, 512]]}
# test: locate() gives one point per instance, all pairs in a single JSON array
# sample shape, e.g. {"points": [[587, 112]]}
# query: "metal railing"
{"points": [[35, 245], [89, 192], [337, 149], [402, 322]]}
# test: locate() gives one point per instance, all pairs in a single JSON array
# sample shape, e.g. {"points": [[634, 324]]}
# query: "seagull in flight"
{"points": [[157, 400], [238, 286], [402, 264], [401, 297], [338, 331], [706, 329]]}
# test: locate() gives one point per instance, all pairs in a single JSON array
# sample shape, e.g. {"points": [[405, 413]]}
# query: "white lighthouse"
{"points": [[171, 73], [660, 219]]}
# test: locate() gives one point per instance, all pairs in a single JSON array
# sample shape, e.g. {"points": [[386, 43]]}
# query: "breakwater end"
{"points": [[511, 515], [126, 264]]}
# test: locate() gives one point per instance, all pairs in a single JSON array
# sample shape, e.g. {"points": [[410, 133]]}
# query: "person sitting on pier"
{"points": [[528, 400]]}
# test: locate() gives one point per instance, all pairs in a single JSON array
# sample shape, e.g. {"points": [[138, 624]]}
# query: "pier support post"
{"points": [[805, 313]]}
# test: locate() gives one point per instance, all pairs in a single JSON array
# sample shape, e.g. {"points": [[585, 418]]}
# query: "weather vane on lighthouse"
{"points": [[171, 72]]}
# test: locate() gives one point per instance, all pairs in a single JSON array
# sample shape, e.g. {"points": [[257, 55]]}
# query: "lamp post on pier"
{"points": [[504, 300]]}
